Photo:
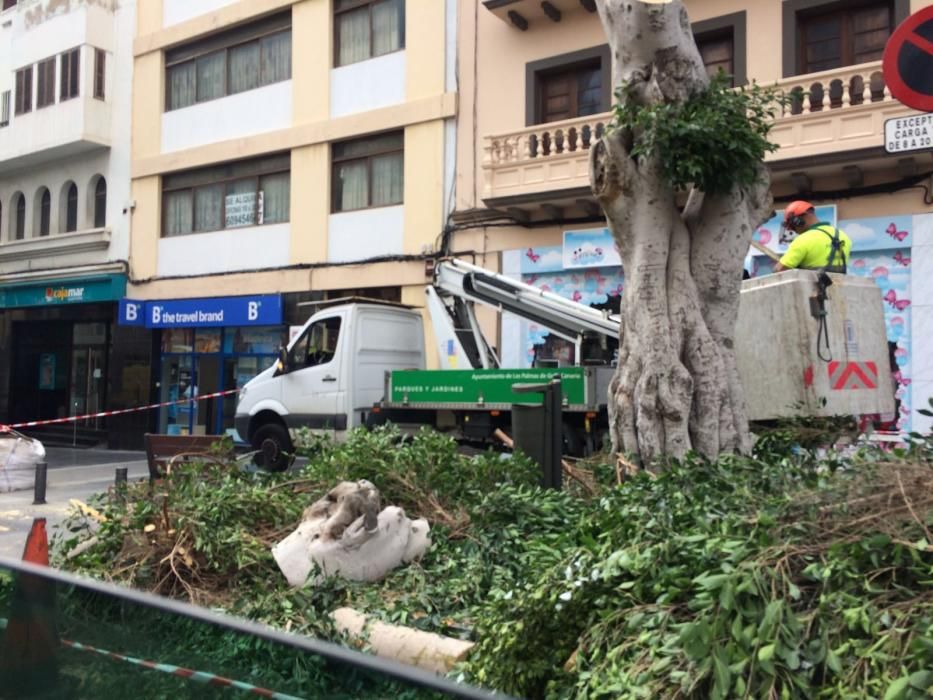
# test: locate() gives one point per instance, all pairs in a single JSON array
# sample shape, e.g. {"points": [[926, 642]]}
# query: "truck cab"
{"points": [[329, 376]]}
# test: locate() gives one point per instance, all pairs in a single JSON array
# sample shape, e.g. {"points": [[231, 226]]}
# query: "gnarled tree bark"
{"points": [[677, 386]]}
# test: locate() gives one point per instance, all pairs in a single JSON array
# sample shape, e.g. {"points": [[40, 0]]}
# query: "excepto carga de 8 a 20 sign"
{"points": [[909, 134]]}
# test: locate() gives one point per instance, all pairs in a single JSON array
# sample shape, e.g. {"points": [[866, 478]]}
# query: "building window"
{"points": [[5, 108], [45, 77], [568, 86], [844, 37], [7, 4], [245, 193], [100, 73], [45, 211], [229, 63], [23, 90], [70, 63], [718, 53], [367, 28], [822, 35], [100, 203], [20, 225], [71, 208], [369, 172], [721, 42]]}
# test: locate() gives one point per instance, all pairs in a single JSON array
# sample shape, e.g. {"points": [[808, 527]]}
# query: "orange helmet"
{"points": [[796, 209]]}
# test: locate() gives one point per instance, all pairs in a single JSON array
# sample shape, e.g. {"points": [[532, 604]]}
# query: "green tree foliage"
{"points": [[715, 141]]}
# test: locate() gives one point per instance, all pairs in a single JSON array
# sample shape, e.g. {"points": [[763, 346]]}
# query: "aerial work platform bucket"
{"points": [[777, 351]]}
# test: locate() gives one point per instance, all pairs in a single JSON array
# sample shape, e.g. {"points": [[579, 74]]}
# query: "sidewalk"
{"points": [[72, 474]]}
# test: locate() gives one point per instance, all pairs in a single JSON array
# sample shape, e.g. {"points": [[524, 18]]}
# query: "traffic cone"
{"points": [[37, 544], [28, 666]]}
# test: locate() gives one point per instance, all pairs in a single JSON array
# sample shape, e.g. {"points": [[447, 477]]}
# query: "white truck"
{"points": [[362, 362]]}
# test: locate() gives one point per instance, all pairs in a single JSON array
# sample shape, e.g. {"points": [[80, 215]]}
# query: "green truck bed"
{"points": [[489, 388]]}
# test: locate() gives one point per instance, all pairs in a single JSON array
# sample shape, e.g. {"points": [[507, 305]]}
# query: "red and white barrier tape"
{"points": [[118, 412]]}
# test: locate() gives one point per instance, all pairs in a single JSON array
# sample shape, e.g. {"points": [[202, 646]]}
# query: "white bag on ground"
{"points": [[345, 534], [18, 458]]}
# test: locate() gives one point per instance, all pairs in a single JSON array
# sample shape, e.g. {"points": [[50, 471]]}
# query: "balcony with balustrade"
{"points": [[834, 115]]}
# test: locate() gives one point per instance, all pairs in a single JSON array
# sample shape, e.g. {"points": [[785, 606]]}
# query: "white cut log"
{"points": [[426, 650]]}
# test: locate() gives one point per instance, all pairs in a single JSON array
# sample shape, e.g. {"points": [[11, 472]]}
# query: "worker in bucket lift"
{"points": [[818, 246]]}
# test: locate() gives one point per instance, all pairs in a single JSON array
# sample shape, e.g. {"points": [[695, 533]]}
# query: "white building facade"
{"points": [[65, 210]]}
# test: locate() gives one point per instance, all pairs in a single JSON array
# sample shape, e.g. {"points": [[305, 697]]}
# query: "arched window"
{"points": [[71, 209], [45, 211], [100, 204], [20, 233]]}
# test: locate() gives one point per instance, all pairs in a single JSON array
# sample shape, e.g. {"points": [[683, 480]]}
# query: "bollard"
{"points": [[41, 476], [537, 429], [119, 483]]}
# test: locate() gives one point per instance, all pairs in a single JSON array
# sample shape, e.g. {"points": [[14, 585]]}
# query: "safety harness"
{"points": [[823, 282]]}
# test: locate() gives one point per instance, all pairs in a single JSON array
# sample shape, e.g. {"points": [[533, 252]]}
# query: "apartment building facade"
{"points": [[284, 152], [540, 95], [65, 101]]}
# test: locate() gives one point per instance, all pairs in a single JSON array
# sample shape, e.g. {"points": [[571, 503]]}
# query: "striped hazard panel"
{"points": [[853, 375]]}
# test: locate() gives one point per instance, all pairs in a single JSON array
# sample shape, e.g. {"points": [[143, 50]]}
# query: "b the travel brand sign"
{"points": [[590, 248], [263, 310]]}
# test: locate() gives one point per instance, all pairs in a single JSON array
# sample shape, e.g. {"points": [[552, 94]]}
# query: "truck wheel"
{"points": [[274, 447]]}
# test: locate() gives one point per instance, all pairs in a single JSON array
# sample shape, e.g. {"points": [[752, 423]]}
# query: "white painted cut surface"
{"points": [[360, 235], [367, 85], [247, 113], [225, 251], [177, 11]]}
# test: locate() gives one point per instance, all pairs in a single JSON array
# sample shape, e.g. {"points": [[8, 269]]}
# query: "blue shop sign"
{"points": [[213, 312]]}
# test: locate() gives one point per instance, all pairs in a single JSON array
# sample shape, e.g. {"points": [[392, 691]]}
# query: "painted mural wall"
{"points": [[895, 251]]}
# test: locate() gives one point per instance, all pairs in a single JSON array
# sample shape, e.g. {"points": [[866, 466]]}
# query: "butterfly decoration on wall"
{"points": [[531, 279], [894, 233], [894, 302], [532, 255], [901, 259], [617, 292], [577, 296]]}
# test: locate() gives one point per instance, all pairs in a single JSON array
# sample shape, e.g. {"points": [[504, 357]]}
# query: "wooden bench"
{"points": [[162, 449]]}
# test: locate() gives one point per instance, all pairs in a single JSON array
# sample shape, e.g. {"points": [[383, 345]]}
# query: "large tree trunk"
{"points": [[677, 387]]}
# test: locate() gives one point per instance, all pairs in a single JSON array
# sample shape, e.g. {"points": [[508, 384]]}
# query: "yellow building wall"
{"points": [[145, 228], [310, 203], [424, 186], [312, 51], [425, 33]]}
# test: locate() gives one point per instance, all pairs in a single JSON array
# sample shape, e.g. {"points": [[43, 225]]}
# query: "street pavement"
{"points": [[72, 473]]}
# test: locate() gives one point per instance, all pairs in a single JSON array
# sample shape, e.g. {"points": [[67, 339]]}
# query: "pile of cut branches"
{"points": [[784, 574]]}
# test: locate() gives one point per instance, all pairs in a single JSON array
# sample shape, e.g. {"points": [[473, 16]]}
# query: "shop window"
{"points": [[45, 94], [369, 172], [822, 35], [568, 86], [23, 90], [245, 193], [20, 217], [100, 73], [4, 108], [318, 345], [100, 203], [365, 29], [229, 63], [70, 63], [45, 211]]}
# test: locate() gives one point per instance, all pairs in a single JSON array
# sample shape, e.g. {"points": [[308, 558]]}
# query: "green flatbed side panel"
{"points": [[486, 386]]}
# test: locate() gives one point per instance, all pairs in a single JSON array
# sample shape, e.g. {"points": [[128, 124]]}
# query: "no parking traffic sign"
{"points": [[908, 61]]}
